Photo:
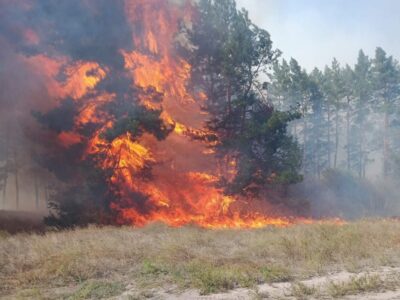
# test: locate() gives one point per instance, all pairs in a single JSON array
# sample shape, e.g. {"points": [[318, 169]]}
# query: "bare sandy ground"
{"points": [[282, 290]]}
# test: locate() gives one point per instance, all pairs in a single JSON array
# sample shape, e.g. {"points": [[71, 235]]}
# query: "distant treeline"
{"points": [[350, 115]]}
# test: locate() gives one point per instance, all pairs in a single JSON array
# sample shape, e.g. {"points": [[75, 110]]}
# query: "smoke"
{"points": [[37, 39], [339, 194], [83, 30], [21, 90]]}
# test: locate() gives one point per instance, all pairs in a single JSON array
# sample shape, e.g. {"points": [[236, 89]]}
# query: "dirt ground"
{"points": [[313, 288], [286, 290]]}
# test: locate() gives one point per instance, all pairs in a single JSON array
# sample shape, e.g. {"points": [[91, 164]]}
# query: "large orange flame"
{"points": [[183, 189]]}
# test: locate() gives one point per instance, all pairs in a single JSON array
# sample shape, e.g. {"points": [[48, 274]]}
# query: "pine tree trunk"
{"points": [[360, 153], [318, 148], [314, 159], [6, 150], [242, 122], [363, 168], [385, 145], [228, 98], [305, 129], [46, 195], [16, 179], [329, 137], [295, 129], [318, 160], [336, 138], [229, 112], [361, 156], [4, 192], [36, 183], [305, 147], [348, 132]]}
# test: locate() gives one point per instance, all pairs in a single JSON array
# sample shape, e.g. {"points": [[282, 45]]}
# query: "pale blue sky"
{"points": [[314, 31]]}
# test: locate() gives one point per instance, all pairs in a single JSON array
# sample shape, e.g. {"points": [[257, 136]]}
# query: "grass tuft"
{"points": [[356, 285], [276, 274], [211, 279], [97, 290], [300, 290]]}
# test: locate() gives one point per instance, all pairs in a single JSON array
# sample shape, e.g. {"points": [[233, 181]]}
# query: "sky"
{"points": [[315, 31]]}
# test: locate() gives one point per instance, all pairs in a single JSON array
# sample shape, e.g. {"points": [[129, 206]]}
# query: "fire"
{"points": [[183, 187], [179, 192], [82, 77]]}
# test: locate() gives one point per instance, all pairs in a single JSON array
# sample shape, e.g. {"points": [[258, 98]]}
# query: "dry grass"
{"points": [[300, 290], [190, 257], [356, 285], [353, 285]]}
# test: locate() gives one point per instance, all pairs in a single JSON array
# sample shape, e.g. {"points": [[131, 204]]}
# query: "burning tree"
{"points": [[252, 135], [88, 188], [148, 119]]}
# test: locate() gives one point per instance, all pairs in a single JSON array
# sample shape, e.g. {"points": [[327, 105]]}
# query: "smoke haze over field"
{"points": [[313, 31]]}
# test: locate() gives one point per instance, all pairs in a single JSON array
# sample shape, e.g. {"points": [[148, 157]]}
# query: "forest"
{"points": [[82, 144], [349, 113]]}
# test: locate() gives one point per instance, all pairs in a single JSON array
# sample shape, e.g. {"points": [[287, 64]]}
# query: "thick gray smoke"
{"points": [[76, 30], [21, 90]]}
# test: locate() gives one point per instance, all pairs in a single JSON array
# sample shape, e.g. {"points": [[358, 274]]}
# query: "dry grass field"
{"points": [[128, 263]]}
